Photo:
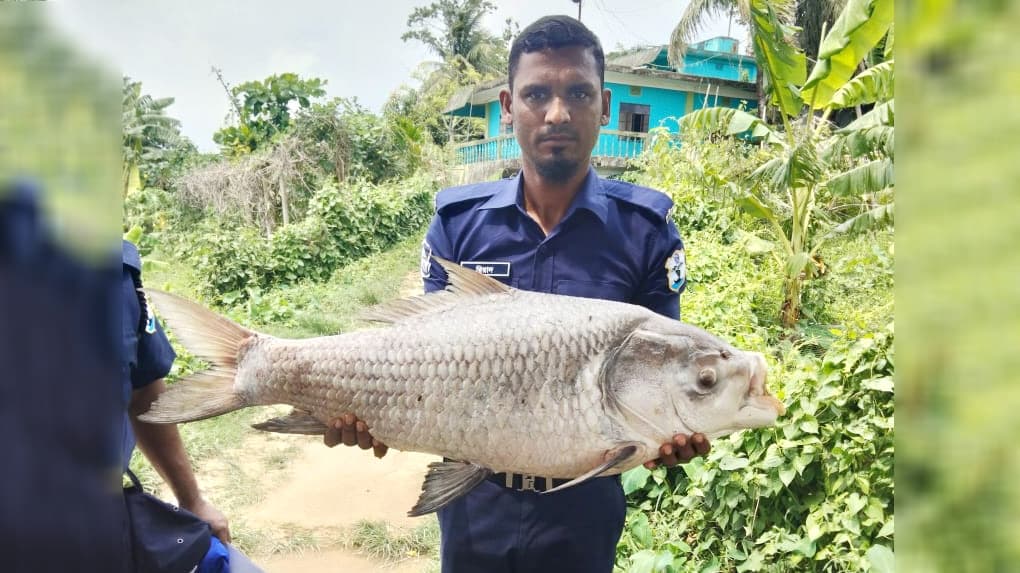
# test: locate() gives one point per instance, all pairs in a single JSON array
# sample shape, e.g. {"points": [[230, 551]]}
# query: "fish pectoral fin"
{"points": [[614, 457], [296, 422], [445, 482]]}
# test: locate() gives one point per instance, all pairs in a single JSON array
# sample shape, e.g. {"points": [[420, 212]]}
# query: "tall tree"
{"points": [[148, 133], [265, 109], [453, 30]]}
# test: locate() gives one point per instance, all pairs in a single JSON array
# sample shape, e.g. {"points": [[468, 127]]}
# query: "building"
{"points": [[646, 92]]}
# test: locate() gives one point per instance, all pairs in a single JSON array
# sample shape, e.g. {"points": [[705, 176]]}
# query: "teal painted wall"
{"points": [[720, 66], [662, 103], [492, 123], [720, 44]]}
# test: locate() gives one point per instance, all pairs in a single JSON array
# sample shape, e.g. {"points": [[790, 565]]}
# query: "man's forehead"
{"points": [[574, 60]]}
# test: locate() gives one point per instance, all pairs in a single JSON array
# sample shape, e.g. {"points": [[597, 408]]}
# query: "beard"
{"points": [[557, 169]]}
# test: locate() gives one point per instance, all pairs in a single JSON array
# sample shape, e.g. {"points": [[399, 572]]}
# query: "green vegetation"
{"points": [[382, 541]]}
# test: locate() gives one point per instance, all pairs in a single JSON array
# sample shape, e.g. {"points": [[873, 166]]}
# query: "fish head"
{"points": [[668, 378]]}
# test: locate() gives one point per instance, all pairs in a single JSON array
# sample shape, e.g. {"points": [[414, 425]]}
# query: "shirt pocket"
{"points": [[589, 289]]}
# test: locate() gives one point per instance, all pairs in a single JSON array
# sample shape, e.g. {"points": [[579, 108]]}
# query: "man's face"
{"points": [[556, 108]]}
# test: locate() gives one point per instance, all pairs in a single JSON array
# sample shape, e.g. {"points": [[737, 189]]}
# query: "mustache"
{"points": [[558, 131]]}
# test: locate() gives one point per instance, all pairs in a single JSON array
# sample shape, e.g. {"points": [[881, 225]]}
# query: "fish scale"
{"points": [[511, 383]]}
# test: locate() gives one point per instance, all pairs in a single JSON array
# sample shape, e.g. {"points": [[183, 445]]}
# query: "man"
{"points": [[148, 357], [556, 227]]}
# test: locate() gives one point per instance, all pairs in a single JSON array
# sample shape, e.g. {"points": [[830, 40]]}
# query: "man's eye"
{"points": [[535, 96], [580, 95]]}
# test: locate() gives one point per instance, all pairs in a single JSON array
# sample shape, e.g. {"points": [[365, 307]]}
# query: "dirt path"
{"points": [[323, 489]]}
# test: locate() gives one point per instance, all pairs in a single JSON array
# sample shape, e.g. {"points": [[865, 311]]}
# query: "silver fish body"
{"points": [[505, 380]]}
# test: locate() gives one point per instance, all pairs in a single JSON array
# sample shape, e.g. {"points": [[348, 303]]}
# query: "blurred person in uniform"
{"points": [[61, 505], [556, 227], [148, 358]]}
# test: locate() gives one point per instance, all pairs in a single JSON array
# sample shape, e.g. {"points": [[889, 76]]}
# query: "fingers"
{"points": [[349, 436], [222, 531], [701, 445], [350, 431], [681, 450], [333, 436], [364, 438]]}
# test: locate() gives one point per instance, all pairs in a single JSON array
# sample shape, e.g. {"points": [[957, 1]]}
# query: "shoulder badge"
{"points": [[426, 260], [676, 270], [150, 320]]}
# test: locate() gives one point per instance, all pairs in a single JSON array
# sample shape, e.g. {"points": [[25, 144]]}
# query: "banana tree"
{"points": [[821, 181]]}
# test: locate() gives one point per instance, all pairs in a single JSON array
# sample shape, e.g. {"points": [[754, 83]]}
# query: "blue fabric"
{"points": [[216, 560], [615, 242], [147, 356], [60, 507]]}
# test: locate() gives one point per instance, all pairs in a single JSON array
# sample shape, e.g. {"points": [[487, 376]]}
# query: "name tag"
{"points": [[489, 268]]}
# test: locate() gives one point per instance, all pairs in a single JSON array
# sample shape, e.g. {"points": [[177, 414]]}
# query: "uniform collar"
{"points": [[591, 196]]}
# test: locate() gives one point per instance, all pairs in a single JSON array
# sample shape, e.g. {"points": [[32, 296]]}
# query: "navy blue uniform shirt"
{"points": [[148, 355], [615, 242]]}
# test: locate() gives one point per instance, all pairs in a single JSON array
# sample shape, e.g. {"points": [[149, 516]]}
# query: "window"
{"points": [[634, 117]]}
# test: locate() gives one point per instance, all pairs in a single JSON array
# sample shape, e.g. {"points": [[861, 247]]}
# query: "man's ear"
{"points": [[505, 99], [607, 97]]}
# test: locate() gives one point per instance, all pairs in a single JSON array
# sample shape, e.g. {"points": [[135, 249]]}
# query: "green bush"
{"points": [[156, 217], [235, 263]]}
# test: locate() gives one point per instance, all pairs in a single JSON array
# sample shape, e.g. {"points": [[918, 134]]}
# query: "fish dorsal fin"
{"points": [[462, 282], [445, 482], [404, 308]]}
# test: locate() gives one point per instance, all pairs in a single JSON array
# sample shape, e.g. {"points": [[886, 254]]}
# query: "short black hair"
{"points": [[556, 32]]}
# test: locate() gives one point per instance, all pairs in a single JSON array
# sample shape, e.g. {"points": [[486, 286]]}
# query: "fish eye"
{"points": [[706, 378]]}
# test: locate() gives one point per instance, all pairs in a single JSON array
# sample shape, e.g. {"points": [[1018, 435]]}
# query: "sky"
{"points": [[171, 46]]}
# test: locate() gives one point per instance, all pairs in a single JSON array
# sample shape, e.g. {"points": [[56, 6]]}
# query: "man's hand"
{"points": [[214, 517], [350, 431], [681, 450]]}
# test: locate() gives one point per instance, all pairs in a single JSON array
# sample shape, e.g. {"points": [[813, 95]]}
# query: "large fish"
{"points": [[502, 379]]}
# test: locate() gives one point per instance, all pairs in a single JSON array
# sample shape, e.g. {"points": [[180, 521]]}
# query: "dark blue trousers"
{"points": [[494, 529]]}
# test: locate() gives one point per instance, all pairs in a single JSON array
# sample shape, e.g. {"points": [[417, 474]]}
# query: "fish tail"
{"points": [[215, 339]]}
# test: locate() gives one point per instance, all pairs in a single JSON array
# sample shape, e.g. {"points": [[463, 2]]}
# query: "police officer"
{"points": [[149, 357], [556, 227]]}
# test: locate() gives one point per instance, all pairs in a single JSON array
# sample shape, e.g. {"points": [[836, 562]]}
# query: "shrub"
{"points": [[343, 224]]}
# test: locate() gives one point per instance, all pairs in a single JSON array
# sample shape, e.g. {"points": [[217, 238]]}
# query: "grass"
{"points": [[379, 540]]}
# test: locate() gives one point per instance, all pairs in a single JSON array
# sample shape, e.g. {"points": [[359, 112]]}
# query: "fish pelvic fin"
{"points": [[445, 482], [614, 457], [214, 338], [296, 422]]}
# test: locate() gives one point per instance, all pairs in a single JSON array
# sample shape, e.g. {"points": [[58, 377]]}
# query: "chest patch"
{"points": [[489, 268]]}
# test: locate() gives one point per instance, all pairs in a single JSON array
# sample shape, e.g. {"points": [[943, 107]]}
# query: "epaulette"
{"points": [[454, 195], [655, 202], [130, 256]]}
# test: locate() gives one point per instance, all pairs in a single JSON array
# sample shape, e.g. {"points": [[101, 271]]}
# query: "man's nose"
{"points": [[557, 112]]}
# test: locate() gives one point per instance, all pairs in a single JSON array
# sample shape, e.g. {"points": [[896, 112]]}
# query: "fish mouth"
{"points": [[757, 391]]}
